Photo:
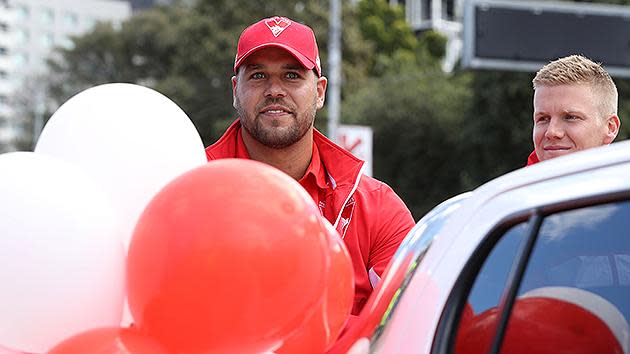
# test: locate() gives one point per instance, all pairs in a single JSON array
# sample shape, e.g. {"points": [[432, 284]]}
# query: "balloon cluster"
{"points": [[118, 237]]}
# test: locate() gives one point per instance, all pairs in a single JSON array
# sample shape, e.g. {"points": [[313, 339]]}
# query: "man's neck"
{"points": [[292, 160]]}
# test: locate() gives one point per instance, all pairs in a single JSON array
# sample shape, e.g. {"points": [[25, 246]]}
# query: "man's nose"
{"points": [[275, 88], [555, 130]]}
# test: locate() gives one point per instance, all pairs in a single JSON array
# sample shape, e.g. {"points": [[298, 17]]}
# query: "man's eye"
{"points": [[542, 119], [292, 76], [571, 117], [258, 76]]}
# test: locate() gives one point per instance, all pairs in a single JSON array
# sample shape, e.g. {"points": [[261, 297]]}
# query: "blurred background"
{"points": [[444, 86]]}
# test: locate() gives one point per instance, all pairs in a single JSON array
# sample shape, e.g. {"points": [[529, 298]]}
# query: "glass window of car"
{"points": [[484, 300], [574, 293]]}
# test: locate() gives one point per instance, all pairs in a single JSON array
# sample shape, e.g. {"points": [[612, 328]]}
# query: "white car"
{"points": [[535, 261]]}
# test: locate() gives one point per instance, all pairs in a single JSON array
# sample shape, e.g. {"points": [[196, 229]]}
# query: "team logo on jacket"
{"points": [[346, 216], [277, 25]]}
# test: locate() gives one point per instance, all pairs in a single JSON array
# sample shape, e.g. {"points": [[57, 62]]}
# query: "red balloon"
{"points": [[109, 341], [310, 338], [323, 328], [230, 257], [542, 325], [340, 296]]}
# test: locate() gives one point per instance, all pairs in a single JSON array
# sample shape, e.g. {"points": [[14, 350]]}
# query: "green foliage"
{"points": [[435, 135], [416, 117], [433, 43], [397, 48], [498, 128], [187, 53], [385, 26], [172, 49], [412, 106], [623, 87]]}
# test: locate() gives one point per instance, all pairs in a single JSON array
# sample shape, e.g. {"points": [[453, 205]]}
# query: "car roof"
{"points": [[581, 161], [578, 175]]}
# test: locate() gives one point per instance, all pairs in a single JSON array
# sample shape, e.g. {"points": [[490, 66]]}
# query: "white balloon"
{"points": [[4, 350], [132, 139], [63, 260]]}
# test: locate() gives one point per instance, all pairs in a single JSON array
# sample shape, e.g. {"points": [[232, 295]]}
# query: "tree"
{"points": [[396, 45], [435, 134], [417, 118], [414, 109], [187, 53], [497, 133], [174, 50]]}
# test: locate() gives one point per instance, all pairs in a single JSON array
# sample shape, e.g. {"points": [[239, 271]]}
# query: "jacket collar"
{"points": [[532, 158], [342, 167]]}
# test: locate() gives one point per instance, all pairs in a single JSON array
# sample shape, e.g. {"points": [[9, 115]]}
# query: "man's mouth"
{"points": [[275, 110], [556, 148]]}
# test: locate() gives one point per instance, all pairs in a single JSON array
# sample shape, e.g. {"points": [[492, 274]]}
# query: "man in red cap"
{"points": [[277, 88], [575, 108]]}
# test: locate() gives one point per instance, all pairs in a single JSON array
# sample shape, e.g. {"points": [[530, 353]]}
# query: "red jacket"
{"points": [[367, 213], [532, 158]]}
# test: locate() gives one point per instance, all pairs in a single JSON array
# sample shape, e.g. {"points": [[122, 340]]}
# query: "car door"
{"points": [[556, 281]]}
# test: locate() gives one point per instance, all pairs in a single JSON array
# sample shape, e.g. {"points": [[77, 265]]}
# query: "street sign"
{"points": [[358, 140], [525, 35]]}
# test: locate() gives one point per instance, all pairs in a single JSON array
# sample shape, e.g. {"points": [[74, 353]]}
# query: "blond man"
{"points": [[575, 108]]}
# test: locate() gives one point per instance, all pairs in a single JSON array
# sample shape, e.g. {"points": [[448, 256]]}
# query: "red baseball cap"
{"points": [[281, 32]]}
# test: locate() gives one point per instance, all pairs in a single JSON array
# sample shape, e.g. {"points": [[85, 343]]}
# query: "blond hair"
{"points": [[576, 69]]}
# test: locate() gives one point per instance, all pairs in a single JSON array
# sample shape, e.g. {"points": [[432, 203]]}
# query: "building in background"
{"points": [[444, 16], [137, 5], [29, 30], [141, 4]]}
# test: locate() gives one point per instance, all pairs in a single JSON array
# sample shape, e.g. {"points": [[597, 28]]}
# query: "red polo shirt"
{"points": [[314, 179], [370, 218]]}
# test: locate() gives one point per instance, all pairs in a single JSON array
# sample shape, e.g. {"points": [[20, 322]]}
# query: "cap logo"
{"points": [[277, 24]]}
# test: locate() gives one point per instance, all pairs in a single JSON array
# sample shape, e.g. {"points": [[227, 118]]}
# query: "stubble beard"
{"points": [[274, 137]]}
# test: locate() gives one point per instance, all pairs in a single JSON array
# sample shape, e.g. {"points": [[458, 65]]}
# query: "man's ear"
{"points": [[322, 83], [234, 82], [612, 128]]}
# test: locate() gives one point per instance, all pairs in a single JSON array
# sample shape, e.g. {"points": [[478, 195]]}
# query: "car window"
{"points": [[574, 295], [487, 291], [576, 284], [492, 279]]}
